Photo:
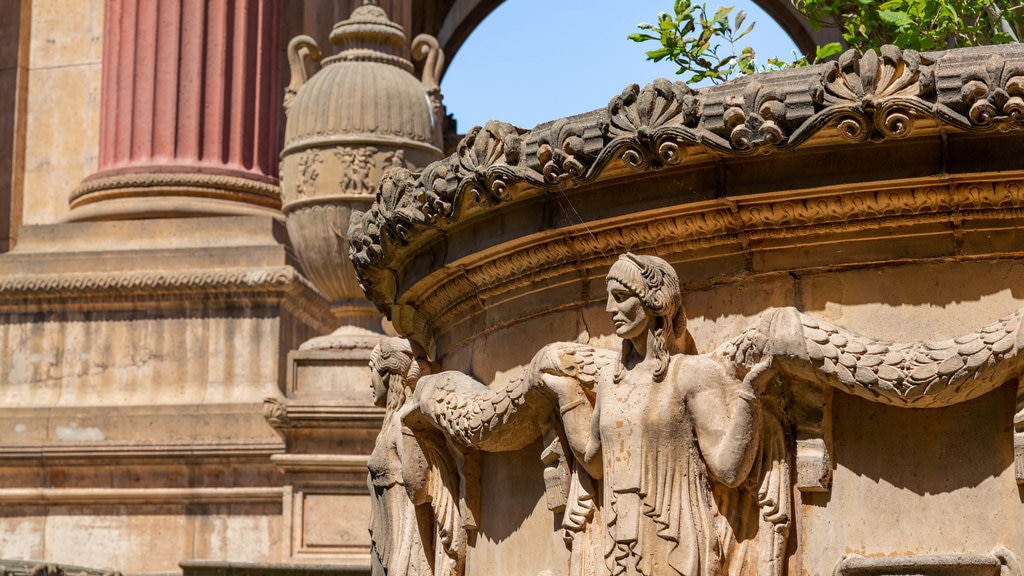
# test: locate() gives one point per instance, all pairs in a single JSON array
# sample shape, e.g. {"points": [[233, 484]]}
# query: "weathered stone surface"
{"points": [[148, 363], [614, 468]]}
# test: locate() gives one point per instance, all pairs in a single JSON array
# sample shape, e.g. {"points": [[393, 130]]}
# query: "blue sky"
{"points": [[536, 60]]}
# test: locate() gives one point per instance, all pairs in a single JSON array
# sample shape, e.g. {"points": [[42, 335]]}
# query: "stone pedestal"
{"points": [[328, 423], [132, 433]]}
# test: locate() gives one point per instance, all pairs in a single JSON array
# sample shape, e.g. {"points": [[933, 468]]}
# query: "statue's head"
{"points": [[644, 298], [393, 371], [655, 283]]}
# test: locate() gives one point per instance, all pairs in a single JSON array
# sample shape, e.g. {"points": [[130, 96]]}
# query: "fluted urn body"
{"points": [[362, 114]]}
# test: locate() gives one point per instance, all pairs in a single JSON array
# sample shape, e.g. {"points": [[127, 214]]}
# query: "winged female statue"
{"points": [[678, 463]]}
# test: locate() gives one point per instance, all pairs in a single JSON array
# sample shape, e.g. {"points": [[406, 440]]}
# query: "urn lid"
{"points": [[369, 36], [366, 93]]}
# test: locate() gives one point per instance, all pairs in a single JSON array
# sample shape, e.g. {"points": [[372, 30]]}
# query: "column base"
{"points": [[171, 194]]}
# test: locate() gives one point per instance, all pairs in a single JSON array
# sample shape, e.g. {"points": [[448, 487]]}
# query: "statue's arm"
{"points": [[576, 411], [594, 454], [727, 419], [561, 376], [571, 373]]}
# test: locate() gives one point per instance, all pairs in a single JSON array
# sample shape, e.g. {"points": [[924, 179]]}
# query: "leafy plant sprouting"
{"points": [[917, 24], [694, 42], [691, 40]]}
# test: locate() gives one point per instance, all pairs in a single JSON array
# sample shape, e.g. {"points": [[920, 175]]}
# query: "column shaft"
{"points": [[189, 111]]}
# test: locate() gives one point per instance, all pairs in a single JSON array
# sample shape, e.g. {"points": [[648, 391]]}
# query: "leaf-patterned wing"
{"points": [[443, 491], [919, 374]]}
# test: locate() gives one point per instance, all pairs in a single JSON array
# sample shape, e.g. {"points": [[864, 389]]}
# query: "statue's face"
{"points": [[629, 315], [379, 386]]}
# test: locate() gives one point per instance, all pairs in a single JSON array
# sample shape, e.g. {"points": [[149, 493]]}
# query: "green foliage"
{"points": [[691, 40], [917, 24]]}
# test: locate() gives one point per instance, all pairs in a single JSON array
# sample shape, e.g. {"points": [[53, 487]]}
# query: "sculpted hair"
{"points": [[394, 358], [656, 284]]}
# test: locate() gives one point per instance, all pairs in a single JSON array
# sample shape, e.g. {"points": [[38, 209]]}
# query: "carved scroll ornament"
{"points": [[870, 96], [661, 462]]}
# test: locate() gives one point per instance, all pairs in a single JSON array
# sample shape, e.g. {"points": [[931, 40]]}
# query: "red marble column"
{"points": [[189, 111]]}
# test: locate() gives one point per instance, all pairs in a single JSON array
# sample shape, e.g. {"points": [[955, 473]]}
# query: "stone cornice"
{"points": [[218, 568], [312, 463], [742, 226], [872, 97], [117, 289], [91, 452], [138, 496], [287, 414]]}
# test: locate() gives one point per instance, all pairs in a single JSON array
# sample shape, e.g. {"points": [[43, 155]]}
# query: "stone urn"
{"points": [[362, 114]]}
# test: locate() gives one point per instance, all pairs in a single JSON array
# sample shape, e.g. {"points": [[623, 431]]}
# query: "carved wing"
{"points": [[917, 374], [473, 415], [442, 487], [477, 416]]}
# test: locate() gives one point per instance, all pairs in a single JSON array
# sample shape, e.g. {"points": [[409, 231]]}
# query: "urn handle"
{"points": [[426, 47], [300, 49]]}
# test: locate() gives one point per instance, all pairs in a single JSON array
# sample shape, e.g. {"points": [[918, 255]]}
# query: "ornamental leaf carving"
{"points": [[875, 94], [652, 122], [995, 93], [661, 103], [482, 153], [436, 197], [276, 413], [48, 570], [562, 152], [388, 220], [754, 119]]}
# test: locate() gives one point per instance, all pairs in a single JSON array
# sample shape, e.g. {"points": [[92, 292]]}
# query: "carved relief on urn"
{"points": [[362, 114]]}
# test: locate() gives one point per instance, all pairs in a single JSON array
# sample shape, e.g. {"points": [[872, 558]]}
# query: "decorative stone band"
{"points": [[863, 97], [32, 568], [156, 452], [220, 568], [156, 193], [740, 224], [59, 291], [330, 463], [999, 562], [129, 496], [285, 414]]}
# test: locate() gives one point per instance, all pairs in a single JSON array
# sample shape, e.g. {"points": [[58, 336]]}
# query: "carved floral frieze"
{"points": [[874, 96]]}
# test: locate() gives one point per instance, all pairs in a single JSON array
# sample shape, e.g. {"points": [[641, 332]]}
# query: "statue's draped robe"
{"points": [[664, 514], [394, 530]]}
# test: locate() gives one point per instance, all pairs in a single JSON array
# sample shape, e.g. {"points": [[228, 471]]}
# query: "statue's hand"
{"points": [[566, 390], [756, 381], [580, 504], [570, 371]]}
